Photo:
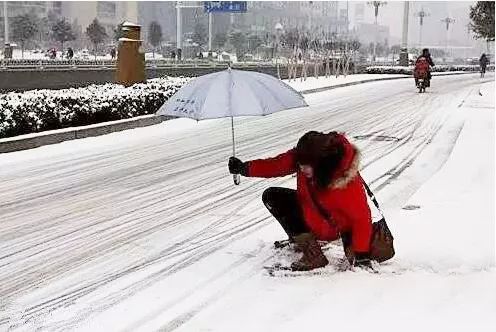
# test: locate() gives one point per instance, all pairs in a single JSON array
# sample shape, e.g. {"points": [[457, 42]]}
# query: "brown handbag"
{"points": [[381, 242]]}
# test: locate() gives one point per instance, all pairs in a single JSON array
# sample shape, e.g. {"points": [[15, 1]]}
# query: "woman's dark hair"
{"points": [[323, 152], [307, 148], [326, 167]]}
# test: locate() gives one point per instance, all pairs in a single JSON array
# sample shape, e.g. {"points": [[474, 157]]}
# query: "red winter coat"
{"points": [[344, 199]]}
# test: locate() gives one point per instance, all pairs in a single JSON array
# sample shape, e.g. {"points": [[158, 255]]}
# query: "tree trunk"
{"points": [[94, 49], [22, 50]]}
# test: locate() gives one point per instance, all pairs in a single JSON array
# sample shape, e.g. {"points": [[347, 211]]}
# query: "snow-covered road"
{"points": [[144, 230]]}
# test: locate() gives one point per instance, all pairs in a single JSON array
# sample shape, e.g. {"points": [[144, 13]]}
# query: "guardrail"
{"points": [[48, 64], [75, 64]]}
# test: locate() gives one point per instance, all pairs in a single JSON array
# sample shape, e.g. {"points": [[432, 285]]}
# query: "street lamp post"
{"points": [[279, 31], [376, 5], [448, 20], [179, 31], [421, 14], [404, 39], [5, 23], [210, 23], [468, 41]]}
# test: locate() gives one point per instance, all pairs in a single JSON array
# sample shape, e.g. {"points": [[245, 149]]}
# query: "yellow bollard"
{"points": [[130, 57]]}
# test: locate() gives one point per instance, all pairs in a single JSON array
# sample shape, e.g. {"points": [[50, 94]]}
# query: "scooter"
{"points": [[422, 81], [421, 84]]}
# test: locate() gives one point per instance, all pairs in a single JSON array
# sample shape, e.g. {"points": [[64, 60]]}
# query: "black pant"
{"points": [[284, 205]]}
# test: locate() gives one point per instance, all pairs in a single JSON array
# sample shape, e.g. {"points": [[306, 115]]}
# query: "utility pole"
{"points": [[210, 19], [376, 5], [347, 17], [468, 41], [404, 39], [448, 20], [421, 14], [179, 30], [6, 23]]}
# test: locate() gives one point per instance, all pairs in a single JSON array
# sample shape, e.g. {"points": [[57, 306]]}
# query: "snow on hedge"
{"points": [[409, 70], [39, 110]]}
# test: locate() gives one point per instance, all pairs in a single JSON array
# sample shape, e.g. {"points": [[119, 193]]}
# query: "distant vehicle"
{"points": [[472, 61]]}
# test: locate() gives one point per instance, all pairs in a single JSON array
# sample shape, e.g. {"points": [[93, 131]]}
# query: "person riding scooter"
{"points": [[422, 66]]}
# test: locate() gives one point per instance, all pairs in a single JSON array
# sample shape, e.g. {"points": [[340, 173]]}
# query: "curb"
{"points": [[325, 88], [35, 140], [31, 141]]}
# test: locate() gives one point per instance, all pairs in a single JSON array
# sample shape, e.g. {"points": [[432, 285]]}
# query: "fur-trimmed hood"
{"points": [[348, 169]]}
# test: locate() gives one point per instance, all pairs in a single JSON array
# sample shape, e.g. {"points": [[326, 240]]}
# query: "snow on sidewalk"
{"points": [[453, 227], [315, 83]]}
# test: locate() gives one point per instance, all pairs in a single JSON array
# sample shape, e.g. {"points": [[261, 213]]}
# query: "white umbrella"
{"points": [[231, 93]]}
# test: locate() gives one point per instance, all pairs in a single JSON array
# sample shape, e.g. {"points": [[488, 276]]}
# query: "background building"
{"points": [[37, 8], [108, 13]]}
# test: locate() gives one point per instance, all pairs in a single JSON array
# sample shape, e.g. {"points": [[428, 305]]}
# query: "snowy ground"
{"points": [[143, 230], [314, 83]]}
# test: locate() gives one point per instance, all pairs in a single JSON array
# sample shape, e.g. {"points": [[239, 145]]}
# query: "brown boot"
{"points": [[313, 257]]}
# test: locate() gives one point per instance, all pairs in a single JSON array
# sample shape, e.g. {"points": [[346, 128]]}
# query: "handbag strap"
{"points": [[321, 210], [327, 215], [371, 195]]}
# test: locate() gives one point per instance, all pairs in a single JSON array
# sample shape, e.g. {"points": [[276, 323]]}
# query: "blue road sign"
{"points": [[225, 6]]}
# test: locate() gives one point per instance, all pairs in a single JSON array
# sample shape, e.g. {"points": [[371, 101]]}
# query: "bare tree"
{"points": [[62, 32], [155, 35], [24, 28], [96, 33]]}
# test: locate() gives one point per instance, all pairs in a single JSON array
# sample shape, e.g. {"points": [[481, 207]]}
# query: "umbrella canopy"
{"points": [[232, 93]]}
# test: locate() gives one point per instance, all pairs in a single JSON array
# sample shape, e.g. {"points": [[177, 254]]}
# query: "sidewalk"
{"points": [[454, 211], [311, 85]]}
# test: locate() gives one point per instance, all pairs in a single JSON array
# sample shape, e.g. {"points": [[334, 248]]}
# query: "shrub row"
{"points": [[40, 110]]}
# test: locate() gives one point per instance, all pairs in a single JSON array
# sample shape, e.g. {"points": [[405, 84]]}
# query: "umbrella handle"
{"points": [[236, 179]]}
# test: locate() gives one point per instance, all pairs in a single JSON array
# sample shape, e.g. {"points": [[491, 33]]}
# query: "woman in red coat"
{"points": [[329, 202]]}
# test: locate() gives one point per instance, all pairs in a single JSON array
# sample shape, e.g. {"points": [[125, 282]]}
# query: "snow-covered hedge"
{"points": [[39, 110], [55, 62], [409, 70]]}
